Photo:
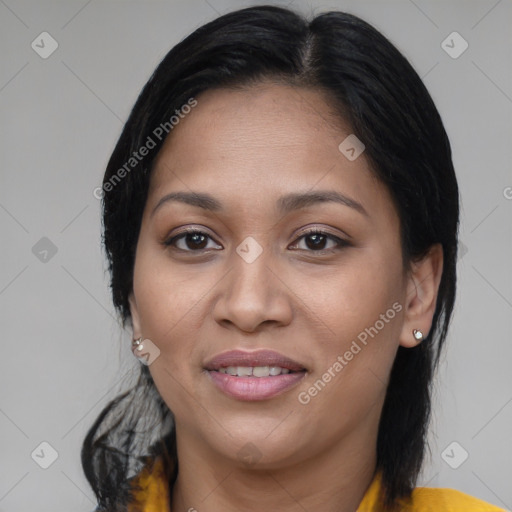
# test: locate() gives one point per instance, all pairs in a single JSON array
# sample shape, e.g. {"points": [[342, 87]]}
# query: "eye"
{"points": [[316, 239], [194, 239]]}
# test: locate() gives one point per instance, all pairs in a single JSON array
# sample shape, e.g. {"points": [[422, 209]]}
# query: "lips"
{"points": [[259, 358], [251, 376]]}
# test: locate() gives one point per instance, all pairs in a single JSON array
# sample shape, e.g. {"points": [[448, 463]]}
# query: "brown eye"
{"points": [[191, 240], [316, 240]]}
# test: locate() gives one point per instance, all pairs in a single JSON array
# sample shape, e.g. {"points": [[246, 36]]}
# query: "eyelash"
{"points": [[313, 231]]}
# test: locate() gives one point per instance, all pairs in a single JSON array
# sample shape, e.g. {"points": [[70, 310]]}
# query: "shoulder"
{"points": [[430, 499], [426, 499]]}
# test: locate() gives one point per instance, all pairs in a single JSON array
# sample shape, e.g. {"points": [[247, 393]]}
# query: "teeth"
{"points": [[254, 371], [244, 371], [261, 371]]}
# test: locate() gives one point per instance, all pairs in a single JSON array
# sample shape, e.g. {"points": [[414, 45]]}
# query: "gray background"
{"points": [[64, 355]]}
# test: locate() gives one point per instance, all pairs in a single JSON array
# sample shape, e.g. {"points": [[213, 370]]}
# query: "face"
{"points": [[318, 282]]}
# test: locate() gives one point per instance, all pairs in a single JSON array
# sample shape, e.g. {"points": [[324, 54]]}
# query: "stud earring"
{"points": [[418, 335], [137, 346]]}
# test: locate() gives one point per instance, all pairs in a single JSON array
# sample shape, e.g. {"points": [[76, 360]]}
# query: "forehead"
{"points": [[262, 141], [278, 118]]}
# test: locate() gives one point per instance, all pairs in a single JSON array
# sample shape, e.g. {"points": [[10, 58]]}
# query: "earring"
{"points": [[137, 346], [418, 335]]}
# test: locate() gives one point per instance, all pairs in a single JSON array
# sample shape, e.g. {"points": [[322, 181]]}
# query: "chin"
{"points": [[262, 448]]}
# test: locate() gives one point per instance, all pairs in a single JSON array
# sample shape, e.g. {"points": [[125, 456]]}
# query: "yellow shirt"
{"points": [[154, 496]]}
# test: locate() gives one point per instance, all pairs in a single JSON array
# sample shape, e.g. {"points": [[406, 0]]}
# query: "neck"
{"points": [[332, 481]]}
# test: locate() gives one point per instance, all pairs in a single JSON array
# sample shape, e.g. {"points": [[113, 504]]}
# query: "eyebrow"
{"points": [[285, 204]]}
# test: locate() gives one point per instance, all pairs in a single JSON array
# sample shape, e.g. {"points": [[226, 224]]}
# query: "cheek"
{"points": [[362, 306], [169, 312], [163, 289], [356, 294], [166, 302], [353, 364]]}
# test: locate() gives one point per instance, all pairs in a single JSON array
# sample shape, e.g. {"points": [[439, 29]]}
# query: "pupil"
{"points": [[317, 240], [196, 239]]}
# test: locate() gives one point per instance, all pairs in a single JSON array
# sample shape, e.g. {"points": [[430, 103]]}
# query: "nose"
{"points": [[252, 295]]}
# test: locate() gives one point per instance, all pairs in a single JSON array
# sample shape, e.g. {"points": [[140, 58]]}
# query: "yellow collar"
{"points": [[153, 495]]}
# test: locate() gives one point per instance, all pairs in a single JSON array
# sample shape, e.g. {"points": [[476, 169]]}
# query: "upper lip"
{"points": [[257, 358]]}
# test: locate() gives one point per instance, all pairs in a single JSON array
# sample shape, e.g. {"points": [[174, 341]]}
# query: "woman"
{"points": [[280, 220]]}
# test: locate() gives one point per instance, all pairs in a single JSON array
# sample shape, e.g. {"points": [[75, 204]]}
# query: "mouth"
{"points": [[254, 371], [251, 376], [258, 359]]}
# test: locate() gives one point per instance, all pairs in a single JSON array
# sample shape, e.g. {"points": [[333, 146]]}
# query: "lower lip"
{"points": [[255, 388]]}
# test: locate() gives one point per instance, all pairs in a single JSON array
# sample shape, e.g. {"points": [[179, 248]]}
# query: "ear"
{"points": [[421, 298], [135, 318]]}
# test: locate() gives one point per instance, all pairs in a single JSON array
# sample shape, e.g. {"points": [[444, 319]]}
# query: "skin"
{"points": [[247, 148]]}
